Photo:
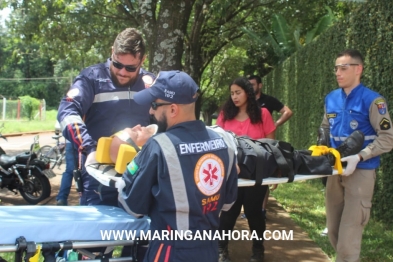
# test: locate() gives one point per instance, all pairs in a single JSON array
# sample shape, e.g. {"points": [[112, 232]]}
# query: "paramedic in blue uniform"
{"points": [[100, 103], [183, 177], [352, 107]]}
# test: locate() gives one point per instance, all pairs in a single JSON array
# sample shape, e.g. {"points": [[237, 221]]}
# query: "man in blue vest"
{"points": [[352, 107], [183, 177]]}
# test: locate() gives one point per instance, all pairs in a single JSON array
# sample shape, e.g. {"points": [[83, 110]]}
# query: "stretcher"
{"points": [[105, 175], [107, 172], [24, 229], [281, 180]]}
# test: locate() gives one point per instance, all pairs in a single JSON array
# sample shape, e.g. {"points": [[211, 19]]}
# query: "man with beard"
{"points": [[183, 177], [100, 102], [269, 102]]}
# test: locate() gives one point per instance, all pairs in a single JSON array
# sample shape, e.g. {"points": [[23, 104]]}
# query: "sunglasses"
{"points": [[155, 105], [128, 68], [343, 67]]}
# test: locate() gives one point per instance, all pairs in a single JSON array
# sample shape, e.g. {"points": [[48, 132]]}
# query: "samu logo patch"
{"points": [[209, 174], [132, 167]]}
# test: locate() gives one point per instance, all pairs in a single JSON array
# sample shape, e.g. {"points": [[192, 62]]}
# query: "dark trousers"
{"points": [[251, 198], [96, 194], [306, 164]]}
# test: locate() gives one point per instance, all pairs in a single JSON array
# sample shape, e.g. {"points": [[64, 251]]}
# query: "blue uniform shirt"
{"points": [[182, 179], [94, 107]]}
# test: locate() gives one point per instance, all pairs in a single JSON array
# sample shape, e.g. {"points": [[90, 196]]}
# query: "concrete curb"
{"points": [[27, 133]]}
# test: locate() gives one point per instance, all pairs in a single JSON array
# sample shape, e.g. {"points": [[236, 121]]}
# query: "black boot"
{"points": [[223, 254], [352, 145], [323, 137], [257, 255]]}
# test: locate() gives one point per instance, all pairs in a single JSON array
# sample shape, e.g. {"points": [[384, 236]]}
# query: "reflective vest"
{"points": [[349, 113]]}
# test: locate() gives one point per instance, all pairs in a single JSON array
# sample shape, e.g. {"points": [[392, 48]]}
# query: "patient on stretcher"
{"points": [[135, 137], [114, 153]]}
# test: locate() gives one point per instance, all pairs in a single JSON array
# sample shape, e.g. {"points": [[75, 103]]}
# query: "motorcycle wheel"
{"points": [[36, 188]]}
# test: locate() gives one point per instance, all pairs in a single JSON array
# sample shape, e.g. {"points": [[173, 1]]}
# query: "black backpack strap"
{"points": [[282, 152], [259, 159]]}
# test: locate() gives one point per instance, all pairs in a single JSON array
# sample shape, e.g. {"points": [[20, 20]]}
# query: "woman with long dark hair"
{"points": [[242, 115]]}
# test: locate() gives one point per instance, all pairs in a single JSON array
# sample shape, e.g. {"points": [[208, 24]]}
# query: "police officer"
{"points": [[100, 103], [351, 107], [182, 178]]}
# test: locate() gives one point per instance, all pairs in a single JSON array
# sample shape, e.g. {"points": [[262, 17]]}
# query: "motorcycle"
{"points": [[26, 173]]}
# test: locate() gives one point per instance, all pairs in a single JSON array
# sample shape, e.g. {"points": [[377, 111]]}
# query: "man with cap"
{"points": [[182, 178]]}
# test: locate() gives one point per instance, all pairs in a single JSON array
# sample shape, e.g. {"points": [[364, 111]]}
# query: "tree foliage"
{"points": [[184, 35], [181, 35], [24, 61], [293, 24]]}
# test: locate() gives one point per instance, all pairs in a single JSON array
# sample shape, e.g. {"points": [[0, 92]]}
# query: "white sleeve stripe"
{"points": [[126, 208], [226, 207], [71, 119], [113, 96], [177, 181]]}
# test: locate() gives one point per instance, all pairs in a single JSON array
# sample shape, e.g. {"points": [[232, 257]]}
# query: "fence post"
{"points": [[18, 110], [43, 109], [4, 107]]}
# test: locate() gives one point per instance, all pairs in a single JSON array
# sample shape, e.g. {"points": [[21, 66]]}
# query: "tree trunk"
{"points": [[166, 36]]}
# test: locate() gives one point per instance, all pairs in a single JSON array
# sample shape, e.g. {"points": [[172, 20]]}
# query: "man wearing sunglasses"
{"points": [[352, 107], [100, 103]]}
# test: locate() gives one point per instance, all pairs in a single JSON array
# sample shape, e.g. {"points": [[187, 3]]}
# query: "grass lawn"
{"points": [[15, 126], [305, 203]]}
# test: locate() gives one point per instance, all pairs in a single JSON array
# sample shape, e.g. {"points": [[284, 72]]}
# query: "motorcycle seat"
{"points": [[6, 160]]}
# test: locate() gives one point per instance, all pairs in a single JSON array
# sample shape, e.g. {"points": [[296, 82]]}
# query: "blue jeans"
{"points": [[66, 180]]}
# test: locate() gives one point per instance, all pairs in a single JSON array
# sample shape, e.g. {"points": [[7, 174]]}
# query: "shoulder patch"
{"points": [[381, 104], [72, 93], [148, 80], [132, 167], [384, 124], [209, 174]]}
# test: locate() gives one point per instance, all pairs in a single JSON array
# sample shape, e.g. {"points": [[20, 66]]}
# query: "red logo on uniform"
{"points": [[210, 174]]}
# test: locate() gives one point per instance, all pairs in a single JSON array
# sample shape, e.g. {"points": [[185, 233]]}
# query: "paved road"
{"points": [[23, 142]]}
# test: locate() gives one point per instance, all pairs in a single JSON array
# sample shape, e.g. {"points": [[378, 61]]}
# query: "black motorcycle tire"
{"points": [[36, 188]]}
